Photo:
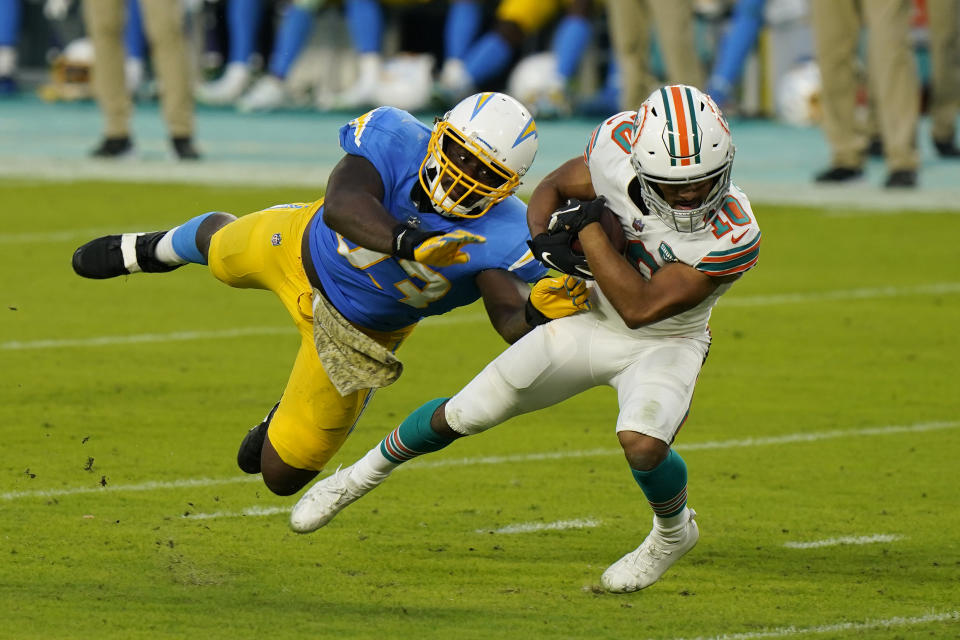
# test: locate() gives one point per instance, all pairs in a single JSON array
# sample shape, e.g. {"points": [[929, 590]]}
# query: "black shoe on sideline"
{"points": [[248, 457], [838, 174], [104, 257], [947, 148], [113, 148], [184, 149], [901, 178]]}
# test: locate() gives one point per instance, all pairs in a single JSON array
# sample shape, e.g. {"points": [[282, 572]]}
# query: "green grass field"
{"points": [[822, 449]]}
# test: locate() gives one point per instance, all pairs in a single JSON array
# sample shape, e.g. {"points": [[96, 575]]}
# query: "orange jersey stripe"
{"points": [[737, 269], [729, 257], [680, 117]]}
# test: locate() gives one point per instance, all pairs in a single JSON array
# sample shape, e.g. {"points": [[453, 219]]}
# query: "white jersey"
{"points": [[729, 245]]}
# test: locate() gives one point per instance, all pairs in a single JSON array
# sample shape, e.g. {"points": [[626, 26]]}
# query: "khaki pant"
{"points": [[629, 22], [891, 77], [163, 23], [944, 68]]}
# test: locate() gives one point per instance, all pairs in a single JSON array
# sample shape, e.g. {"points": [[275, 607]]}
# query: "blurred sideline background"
{"points": [[49, 123]]}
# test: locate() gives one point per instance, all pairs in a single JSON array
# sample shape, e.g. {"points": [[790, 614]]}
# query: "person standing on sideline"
{"points": [[891, 79], [630, 24], [163, 22], [944, 75], [664, 171]]}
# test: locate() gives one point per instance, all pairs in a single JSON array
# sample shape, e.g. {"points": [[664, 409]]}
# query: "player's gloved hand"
{"points": [[433, 247], [554, 251], [575, 214], [553, 298]]}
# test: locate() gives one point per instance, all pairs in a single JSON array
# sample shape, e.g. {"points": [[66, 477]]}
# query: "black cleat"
{"points": [[112, 256], [113, 148], [838, 174], [183, 148], [901, 178], [248, 457], [947, 148]]}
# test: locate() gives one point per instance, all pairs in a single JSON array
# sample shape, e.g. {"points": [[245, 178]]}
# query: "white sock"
{"points": [[165, 252], [371, 469], [672, 526]]}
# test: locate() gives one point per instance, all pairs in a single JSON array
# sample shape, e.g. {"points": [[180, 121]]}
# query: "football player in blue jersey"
{"points": [[414, 223]]}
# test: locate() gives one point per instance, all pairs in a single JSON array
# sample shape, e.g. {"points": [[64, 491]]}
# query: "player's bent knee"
{"points": [[439, 424], [210, 225], [643, 452], [286, 482], [278, 476]]}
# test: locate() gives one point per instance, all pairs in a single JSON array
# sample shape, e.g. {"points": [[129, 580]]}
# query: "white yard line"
{"points": [[840, 627], [249, 511], [832, 542], [59, 236], [867, 293], [518, 458], [937, 288], [120, 488], [529, 527], [176, 336], [788, 438]]}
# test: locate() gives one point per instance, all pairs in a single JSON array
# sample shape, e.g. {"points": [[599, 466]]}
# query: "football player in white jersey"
{"points": [[664, 170]]}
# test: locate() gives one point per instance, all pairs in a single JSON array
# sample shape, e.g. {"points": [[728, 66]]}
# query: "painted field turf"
{"points": [[827, 413]]}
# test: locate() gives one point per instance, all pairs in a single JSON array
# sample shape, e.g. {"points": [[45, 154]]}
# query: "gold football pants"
{"points": [[262, 251]]}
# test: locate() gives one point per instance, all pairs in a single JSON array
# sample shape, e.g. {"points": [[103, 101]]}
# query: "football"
{"points": [[612, 227]]}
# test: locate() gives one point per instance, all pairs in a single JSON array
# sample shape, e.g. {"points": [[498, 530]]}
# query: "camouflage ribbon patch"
{"points": [[352, 359]]}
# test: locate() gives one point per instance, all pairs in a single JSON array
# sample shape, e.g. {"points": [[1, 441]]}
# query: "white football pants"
{"points": [[654, 376]]}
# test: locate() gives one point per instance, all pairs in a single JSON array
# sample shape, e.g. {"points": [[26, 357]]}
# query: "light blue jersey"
{"points": [[385, 293]]}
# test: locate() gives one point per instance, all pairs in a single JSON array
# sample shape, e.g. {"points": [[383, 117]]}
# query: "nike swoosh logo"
{"points": [[737, 239], [545, 258]]}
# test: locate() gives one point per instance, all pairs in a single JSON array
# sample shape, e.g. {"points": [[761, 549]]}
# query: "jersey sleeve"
{"points": [[737, 245], [382, 136], [509, 231], [610, 142], [526, 267]]}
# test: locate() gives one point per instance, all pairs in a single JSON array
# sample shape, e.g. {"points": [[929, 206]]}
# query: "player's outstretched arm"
{"points": [[514, 308], [505, 298], [353, 205], [569, 180]]}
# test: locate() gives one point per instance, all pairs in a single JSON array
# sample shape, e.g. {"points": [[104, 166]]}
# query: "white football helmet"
{"points": [[491, 128], [680, 137]]}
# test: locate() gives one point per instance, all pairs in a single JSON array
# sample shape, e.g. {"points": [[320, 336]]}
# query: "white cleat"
{"points": [[323, 501], [644, 565], [228, 88], [266, 94]]}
